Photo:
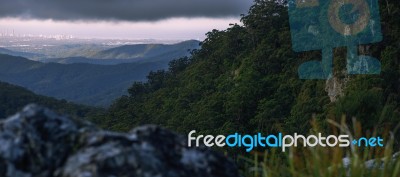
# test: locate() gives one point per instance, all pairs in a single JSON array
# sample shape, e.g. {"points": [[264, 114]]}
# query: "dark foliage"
{"points": [[245, 79]]}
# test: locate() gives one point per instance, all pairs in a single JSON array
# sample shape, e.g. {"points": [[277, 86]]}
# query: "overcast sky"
{"points": [[158, 19]]}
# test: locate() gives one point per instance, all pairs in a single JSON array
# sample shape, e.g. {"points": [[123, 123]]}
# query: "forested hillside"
{"points": [[14, 98], [244, 79]]}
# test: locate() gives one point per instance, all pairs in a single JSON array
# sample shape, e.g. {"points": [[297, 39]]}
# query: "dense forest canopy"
{"points": [[244, 79]]}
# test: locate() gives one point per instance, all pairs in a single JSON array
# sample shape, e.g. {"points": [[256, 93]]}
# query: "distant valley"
{"points": [[96, 81], [100, 53]]}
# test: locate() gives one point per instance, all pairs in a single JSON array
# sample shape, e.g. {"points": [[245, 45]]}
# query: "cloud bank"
{"points": [[120, 10]]}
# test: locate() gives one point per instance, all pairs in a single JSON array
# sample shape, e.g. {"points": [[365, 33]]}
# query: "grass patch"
{"points": [[325, 161]]}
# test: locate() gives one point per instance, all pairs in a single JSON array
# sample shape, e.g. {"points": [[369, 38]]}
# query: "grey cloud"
{"points": [[125, 10]]}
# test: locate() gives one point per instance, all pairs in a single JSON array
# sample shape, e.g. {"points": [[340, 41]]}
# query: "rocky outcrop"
{"points": [[36, 142], [335, 87]]}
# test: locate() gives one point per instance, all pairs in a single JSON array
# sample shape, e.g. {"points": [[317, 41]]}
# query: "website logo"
{"points": [[327, 24], [249, 142]]}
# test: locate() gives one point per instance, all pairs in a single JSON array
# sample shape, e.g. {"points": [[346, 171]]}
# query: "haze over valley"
{"points": [[92, 56], [85, 71]]}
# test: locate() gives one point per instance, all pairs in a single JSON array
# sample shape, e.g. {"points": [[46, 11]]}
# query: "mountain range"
{"points": [[124, 54], [91, 84]]}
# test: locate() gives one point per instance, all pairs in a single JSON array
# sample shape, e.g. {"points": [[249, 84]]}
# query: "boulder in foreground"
{"points": [[36, 142]]}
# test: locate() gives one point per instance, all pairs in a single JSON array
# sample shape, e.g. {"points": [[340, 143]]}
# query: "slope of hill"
{"points": [[244, 79], [14, 98], [20, 54], [144, 51], [81, 83], [130, 54]]}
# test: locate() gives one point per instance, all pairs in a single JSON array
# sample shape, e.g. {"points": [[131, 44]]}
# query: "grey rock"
{"points": [[335, 86], [371, 164], [39, 143]]}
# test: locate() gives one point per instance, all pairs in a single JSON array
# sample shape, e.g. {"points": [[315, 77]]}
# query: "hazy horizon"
{"points": [[169, 29], [121, 19]]}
